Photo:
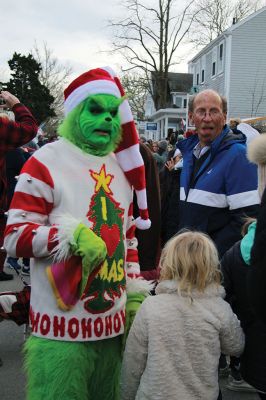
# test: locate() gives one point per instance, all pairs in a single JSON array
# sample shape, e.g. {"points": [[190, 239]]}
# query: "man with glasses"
{"points": [[218, 184]]}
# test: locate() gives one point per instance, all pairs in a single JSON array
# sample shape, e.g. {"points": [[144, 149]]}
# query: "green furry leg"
{"points": [[60, 370], [104, 384]]}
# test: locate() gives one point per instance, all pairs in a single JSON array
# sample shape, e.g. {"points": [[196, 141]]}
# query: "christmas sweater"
{"points": [[58, 181]]}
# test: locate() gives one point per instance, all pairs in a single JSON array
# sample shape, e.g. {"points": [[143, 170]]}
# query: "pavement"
{"points": [[12, 378]]}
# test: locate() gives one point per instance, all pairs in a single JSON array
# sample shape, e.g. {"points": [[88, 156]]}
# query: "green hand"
{"points": [[91, 248], [134, 301]]}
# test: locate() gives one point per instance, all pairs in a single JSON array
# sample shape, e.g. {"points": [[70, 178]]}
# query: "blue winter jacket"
{"points": [[222, 191]]}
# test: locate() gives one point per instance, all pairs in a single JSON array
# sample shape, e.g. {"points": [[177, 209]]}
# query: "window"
{"points": [[196, 77], [221, 58], [213, 68], [178, 102], [221, 51], [215, 58], [202, 76], [185, 103]]}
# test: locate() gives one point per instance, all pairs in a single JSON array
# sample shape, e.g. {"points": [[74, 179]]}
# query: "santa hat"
{"points": [[257, 155], [104, 81]]}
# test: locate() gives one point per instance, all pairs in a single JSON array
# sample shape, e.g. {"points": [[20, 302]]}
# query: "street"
{"points": [[12, 379]]}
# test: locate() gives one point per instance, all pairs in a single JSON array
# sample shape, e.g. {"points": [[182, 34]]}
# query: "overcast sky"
{"points": [[76, 31]]}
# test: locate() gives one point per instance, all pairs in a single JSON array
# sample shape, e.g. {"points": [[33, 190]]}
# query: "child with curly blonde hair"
{"points": [[174, 344]]}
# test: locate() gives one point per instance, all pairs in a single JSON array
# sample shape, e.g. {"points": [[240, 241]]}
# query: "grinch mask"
{"points": [[94, 125]]}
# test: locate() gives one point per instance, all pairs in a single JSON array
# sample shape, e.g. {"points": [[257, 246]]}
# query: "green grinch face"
{"points": [[94, 125], [100, 123]]}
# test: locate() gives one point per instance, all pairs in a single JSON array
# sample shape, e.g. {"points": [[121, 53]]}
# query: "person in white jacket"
{"points": [[174, 344]]}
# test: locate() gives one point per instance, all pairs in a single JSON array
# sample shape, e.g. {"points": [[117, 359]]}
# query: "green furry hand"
{"points": [[134, 301], [91, 248]]}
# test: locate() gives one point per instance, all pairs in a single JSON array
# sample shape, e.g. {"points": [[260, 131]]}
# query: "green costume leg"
{"points": [[104, 384], [59, 370]]}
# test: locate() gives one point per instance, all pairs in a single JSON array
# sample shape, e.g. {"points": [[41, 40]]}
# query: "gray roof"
{"points": [[180, 82]]}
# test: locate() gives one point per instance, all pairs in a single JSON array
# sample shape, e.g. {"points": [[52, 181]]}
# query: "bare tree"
{"points": [[137, 88], [149, 39], [54, 76], [258, 94], [215, 16]]}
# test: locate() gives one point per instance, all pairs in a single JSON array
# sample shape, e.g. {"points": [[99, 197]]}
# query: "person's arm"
{"points": [[231, 232], [28, 231], [242, 197], [137, 287], [232, 338], [241, 181], [227, 263], [135, 355], [16, 133]]}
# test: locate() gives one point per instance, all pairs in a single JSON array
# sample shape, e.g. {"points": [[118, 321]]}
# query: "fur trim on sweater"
{"points": [[65, 237], [139, 285], [257, 150]]}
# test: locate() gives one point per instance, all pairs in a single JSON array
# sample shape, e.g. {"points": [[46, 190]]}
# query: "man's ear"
{"points": [[190, 118], [225, 118]]}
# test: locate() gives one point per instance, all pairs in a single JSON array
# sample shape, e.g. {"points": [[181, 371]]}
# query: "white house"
{"points": [[174, 115], [234, 64]]}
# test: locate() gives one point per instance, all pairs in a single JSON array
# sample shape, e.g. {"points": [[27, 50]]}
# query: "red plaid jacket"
{"points": [[18, 304], [14, 134]]}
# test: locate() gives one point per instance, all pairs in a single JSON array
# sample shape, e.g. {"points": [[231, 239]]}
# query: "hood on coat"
{"points": [[257, 150], [171, 287]]}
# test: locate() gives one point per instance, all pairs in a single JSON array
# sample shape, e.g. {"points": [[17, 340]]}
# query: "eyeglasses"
{"points": [[212, 113]]}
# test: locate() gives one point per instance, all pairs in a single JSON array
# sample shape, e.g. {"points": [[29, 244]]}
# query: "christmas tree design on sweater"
{"points": [[107, 283]]}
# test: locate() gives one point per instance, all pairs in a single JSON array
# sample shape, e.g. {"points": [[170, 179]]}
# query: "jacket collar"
{"points": [[225, 139]]}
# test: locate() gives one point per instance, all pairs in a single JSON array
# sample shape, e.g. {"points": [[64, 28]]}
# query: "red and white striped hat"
{"points": [[104, 81]]}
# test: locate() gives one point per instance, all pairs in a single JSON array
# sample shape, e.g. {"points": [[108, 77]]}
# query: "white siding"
{"points": [[248, 68], [205, 62], [243, 66]]}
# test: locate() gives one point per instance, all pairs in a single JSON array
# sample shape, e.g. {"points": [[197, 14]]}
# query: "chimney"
{"points": [[234, 20]]}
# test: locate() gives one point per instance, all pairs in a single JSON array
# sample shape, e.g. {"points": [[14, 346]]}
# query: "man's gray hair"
{"points": [[192, 100]]}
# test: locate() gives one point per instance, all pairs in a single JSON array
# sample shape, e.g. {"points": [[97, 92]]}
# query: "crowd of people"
{"points": [[203, 256]]}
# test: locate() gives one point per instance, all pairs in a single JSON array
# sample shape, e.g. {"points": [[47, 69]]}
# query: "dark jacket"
{"points": [[15, 159], [257, 275], [235, 272], [223, 189], [14, 134], [170, 194], [149, 240], [253, 360], [160, 159]]}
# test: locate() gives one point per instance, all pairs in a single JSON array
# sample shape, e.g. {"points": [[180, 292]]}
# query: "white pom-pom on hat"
{"points": [[257, 154]]}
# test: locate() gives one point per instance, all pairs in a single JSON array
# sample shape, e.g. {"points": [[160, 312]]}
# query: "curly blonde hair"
{"points": [[191, 259]]}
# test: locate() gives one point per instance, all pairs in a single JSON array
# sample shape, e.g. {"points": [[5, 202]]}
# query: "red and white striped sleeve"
{"points": [[28, 231], [132, 258]]}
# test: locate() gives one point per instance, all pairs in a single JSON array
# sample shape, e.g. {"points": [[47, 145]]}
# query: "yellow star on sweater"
{"points": [[102, 180]]}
